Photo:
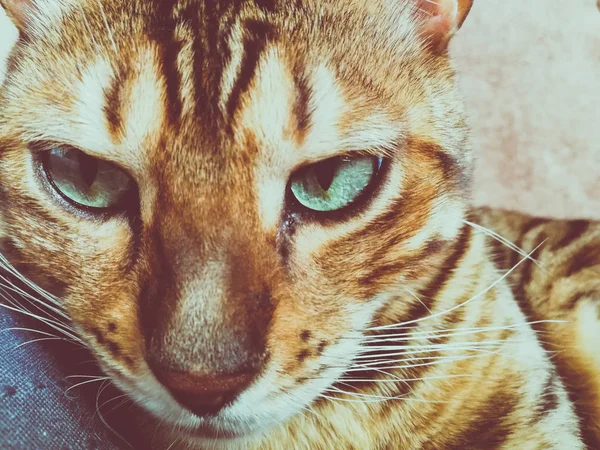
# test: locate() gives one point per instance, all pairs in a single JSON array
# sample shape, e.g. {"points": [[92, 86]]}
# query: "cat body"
{"points": [[256, 215]]}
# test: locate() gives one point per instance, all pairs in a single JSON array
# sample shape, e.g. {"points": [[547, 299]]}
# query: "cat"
{"points": [[255, 213]]}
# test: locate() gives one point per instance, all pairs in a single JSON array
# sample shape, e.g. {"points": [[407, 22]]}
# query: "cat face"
{"points": [[226, 195]]}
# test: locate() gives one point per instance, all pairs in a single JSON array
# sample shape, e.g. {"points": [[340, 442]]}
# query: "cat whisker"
{"points": [[375, 362], [414, 295], [49, 322], [84, 376], [439, 347], [377, 400], [366, 396], [7, 266], [33, 341], [50, 336], [54, 305], [365, 356], [459, 331], [369, 365], [461, 305], [172, 444], [93, 380], [504, 241], [30, 330], [117, 397], [408, 380], [362, 368], [101, 389]]}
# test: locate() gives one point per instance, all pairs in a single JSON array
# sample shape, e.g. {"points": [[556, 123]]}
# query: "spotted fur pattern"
{"points": [[394, 326]]}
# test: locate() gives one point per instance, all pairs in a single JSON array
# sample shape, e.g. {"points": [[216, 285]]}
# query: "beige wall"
{"points": [[8, 35], [531, 78]]}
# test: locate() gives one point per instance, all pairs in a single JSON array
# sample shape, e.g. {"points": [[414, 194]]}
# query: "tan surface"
{"points": [[7, 37], [531, 77]]}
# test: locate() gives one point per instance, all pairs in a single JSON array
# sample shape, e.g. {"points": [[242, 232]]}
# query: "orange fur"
{"points": [[211, 107]]}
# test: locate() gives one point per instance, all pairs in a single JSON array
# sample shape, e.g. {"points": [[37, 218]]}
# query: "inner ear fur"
{"points": [[18, 11], [441, 19]]}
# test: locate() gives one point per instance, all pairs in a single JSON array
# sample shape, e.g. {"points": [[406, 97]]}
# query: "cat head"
{"points": [[225, 196]]}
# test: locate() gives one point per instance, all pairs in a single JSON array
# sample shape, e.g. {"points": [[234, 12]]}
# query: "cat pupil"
{"points": [[325, 173], [88, 167]]}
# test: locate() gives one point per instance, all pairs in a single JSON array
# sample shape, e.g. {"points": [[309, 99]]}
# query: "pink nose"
{"points": [[205, 395]]}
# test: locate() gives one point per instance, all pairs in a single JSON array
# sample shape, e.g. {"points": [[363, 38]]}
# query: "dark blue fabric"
{"points": [[35, 412]]}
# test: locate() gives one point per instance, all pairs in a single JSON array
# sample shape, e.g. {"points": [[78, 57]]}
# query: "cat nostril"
{"points": [[205, 395]]}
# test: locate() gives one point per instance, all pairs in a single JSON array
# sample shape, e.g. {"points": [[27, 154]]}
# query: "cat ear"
{"points": [[442, 19], [19, 11]]}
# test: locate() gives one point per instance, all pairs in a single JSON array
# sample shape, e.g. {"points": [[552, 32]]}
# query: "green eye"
{"points": [[86, 181], [333, 184]]}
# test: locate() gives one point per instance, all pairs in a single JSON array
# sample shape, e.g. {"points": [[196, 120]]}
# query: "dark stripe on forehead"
{"points": [[113, 102], [255, 42], [302, 105], [207, 65], [163, 33], [214, 24]]}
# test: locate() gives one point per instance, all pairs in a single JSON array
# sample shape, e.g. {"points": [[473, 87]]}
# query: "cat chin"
{"points": [[208, 437]]}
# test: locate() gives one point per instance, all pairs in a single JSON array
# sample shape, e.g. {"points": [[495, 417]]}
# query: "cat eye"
{"points": [[335, 183], [86, 181]]}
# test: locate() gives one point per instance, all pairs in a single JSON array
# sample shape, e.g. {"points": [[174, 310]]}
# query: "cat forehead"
{"points": [[268, 108], [106, 22], [252, 81]]}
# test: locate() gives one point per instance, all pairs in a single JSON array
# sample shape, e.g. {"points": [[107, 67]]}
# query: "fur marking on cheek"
{"points": [[305, 335]]}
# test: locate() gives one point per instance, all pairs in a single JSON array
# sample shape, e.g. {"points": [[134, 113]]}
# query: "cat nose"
{"points": [[205, 395]]}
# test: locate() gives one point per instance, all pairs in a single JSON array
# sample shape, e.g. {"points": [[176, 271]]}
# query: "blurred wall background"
{"points": [[530, 73]]}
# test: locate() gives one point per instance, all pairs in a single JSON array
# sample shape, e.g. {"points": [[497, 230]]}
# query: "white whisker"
{"points": [[94, 380], [49, 322], [436, 362], [6, 265], [461, 305], [106, 424], [455, 331], [30, 330], [504, 241], [408, 380], [33, 341], [54, 306]]}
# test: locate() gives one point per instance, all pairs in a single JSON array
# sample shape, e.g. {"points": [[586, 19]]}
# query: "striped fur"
{"points": [[393, 326], [563, 286]]}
